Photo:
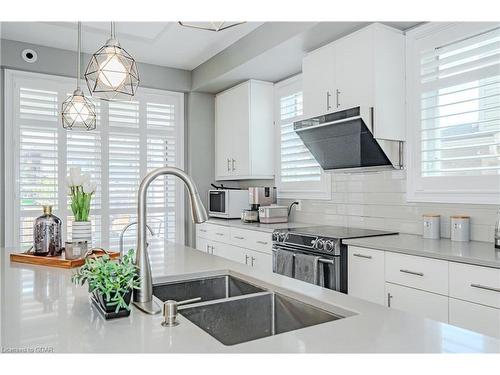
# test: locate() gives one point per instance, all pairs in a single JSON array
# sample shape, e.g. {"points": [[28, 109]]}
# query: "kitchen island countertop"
{"points": [[41, 308]]}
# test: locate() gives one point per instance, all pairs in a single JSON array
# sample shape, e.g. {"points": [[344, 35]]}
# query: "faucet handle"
{"points": [[170, 311]]}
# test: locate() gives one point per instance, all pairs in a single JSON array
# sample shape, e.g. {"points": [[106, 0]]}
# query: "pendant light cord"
{"points": [[79, 55], [113, 30]]}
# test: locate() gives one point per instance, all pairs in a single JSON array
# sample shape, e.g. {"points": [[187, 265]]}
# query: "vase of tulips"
{"points": [[81, 190]]}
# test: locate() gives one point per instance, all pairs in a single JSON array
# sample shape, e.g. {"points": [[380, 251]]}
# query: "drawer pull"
{"points": [[239, 237], [219, 234], [490, 288], [202, 230], [263, 242], [362, 256], [412, 272]]}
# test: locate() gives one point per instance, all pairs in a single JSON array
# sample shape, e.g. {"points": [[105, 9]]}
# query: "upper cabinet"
{"points": [[244, 132], [365, 68]]}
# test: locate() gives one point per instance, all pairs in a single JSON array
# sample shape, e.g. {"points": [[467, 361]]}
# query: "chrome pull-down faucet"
{"points": [[143, 297]]}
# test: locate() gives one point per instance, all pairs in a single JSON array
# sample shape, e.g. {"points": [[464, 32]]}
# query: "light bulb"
{"points": [[79, 111], [112, 72]]}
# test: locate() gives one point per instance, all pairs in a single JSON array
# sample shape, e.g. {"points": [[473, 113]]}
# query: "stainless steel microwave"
{"points": [[227, 203]]}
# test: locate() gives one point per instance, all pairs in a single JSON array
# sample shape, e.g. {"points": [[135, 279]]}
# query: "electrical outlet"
{"points": [[298, 206]]}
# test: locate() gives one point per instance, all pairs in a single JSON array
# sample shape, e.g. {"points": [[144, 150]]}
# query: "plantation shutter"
{"points": [[298, 170], [131, 139], [457, 97]]}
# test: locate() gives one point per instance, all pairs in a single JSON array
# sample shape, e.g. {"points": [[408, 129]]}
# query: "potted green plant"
{"points": [[110, 282]]}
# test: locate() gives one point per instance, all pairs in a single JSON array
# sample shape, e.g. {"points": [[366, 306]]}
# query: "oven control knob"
{"points": [[282, 237], [329, 246], [276, 236], [319, 244]]}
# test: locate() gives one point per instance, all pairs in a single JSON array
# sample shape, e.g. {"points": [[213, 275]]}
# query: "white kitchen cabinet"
{"points": [[202, 244], [479, 318], [244, 132], [258, 260], [318, 77], [365, 68], [418, 302], [366, 274]]}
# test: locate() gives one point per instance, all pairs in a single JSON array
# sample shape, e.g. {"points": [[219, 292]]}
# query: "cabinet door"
{"points": [[354, 70], [202, 244], [240, 130], [366, 274], [318, 81], [418, 302], [258, 260], [229, 252], [479, 318], [223, 133]]}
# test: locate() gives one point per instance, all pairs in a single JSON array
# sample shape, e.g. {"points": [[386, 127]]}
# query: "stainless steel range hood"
{"points": [[345, 140]]}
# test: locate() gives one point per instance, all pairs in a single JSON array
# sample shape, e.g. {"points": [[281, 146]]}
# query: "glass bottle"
{"points": [[497, 231], [47, 239]]}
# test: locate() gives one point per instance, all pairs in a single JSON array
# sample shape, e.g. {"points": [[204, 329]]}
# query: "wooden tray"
{"points": [[59, 262]]}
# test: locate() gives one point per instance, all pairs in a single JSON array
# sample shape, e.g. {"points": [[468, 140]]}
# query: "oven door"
{"points": [[328, 267], [217, 203]]}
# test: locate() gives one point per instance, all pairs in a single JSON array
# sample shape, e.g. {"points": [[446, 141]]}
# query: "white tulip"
{"points": [[69, 181], [94, 186], [76, 176], [85, 178], [87, 187]]}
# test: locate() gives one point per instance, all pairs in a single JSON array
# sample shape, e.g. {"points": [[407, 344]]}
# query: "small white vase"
{"points": [[82, 231]]}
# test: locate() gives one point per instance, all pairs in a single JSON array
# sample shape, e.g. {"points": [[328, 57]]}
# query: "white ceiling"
{"points": [[160, 43]]}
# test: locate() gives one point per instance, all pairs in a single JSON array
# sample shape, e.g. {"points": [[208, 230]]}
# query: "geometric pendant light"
{"points": [[77, 111], [112, 73]]}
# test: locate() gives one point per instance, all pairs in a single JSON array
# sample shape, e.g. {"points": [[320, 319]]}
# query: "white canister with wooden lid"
{"points": [[460, 228], [432, 223]]}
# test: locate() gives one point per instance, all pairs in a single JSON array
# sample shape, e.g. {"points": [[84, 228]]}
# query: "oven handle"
{"points": [[321, 260]]}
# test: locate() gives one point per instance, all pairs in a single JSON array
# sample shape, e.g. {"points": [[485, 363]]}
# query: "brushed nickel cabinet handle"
{"points": [[362, 256], [389, 297], [412, 272], [337, 93], [246, 259], [485, 287], [263, 242], [233, 164], [219, 234], [228, 164], [253, 260], [328, 95], [202, 230], [239, 237]]}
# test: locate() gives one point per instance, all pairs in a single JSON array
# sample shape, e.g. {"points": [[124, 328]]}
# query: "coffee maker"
{"points": [[258, 196]]}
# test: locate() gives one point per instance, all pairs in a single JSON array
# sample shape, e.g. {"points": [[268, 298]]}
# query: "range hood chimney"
{"points": [[345, 140]]}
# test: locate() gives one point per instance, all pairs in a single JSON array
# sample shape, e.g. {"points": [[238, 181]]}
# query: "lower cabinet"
{"points": [[479, 318], [366, 274], [418, 302]]}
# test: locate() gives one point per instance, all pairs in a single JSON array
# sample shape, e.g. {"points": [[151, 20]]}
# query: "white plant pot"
{"points": [[82, 231]]}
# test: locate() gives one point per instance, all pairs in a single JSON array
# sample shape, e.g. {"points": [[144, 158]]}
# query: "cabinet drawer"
{"points": [[251, 239], [475, 283], [218, 233], [417, 272], [202, 230], [418, 302], [479, 318], [366, 274]]}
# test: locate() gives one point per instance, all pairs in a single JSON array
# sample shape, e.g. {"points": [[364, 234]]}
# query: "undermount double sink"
{"points": [[235, 311]]}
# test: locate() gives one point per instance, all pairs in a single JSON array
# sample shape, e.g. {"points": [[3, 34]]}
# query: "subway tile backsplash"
{"points": [[377, 200]]}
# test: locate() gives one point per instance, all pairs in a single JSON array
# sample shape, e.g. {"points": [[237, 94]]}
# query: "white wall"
{"points": [[378, 201]]}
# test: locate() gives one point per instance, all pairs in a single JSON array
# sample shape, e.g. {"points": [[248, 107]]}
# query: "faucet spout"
{"points": [[143, 297]]}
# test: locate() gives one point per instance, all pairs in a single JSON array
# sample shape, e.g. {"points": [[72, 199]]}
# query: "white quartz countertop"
{"points": [[237, 223], [473, 252], [41, 308]]}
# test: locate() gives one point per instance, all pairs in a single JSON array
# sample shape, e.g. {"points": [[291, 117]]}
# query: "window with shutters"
{"points": [[298, 175], [131, 138], [453, 89]]}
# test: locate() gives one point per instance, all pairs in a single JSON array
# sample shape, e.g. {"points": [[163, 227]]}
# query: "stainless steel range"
{"points": [[316, 254]]}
